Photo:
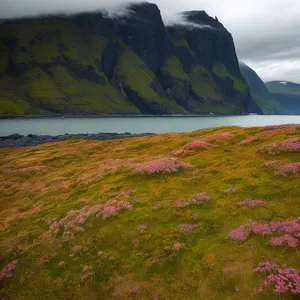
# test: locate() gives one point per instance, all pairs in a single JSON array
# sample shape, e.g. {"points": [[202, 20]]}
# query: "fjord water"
{"points": [[161, 124]]}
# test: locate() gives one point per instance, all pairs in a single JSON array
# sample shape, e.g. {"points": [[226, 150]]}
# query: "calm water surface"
{"points": [[56, 126]]}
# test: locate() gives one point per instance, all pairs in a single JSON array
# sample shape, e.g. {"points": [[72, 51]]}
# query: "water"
{"points": [[57, 126]]}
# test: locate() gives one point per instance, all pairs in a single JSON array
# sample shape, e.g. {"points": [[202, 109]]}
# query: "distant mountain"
{"points": [[287, 93], [263, 102], [134, 64]]}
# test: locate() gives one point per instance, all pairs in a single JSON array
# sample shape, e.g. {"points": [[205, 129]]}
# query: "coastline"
{"points": [[117, 116], [17, 140]]}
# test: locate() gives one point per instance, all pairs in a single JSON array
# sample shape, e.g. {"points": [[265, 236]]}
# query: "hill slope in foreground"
{"points": [[89, 219]]}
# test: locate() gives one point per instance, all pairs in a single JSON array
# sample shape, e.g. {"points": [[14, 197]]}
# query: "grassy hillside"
{"points": [[172, 216], [261, 96], [287, 94], [284, 87]]}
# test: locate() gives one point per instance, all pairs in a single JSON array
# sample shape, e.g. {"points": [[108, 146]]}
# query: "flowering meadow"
{"points": [[210, 214]]}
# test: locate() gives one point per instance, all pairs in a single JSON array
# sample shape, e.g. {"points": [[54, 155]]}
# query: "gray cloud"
{"points": [[266, 32]]}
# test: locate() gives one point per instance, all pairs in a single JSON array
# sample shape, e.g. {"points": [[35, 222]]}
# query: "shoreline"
{"points": [[28, 117], [17, 140], [117, 116]]}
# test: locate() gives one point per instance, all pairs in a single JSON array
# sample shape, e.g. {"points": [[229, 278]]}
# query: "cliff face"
{"points": [[91, 64], [262, 102]]}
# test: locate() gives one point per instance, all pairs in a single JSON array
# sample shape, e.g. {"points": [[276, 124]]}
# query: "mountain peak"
{"points": [[200, 17]]}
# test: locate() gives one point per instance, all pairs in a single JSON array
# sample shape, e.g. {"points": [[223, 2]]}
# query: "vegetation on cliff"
{"points": [[91, 64], [263, 102]]}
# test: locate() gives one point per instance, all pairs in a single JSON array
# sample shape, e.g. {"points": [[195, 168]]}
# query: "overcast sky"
{"points": [[266, 32]]}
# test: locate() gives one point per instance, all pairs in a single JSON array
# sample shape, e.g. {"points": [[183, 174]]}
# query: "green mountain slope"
{"points": [[287, 93], [263, 100], [91, 64]]}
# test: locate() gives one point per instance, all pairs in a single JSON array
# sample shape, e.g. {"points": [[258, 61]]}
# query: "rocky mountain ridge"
{"points": [[134, 64]]}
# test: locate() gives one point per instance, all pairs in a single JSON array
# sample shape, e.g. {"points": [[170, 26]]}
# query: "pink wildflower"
{"points": [[200, 197], [287, 169], [283, 280], [87, 268], [285, 239], [251, 203], [269, 131], [182, 203], [100, 253], [164, 165], [230, 190], [177, 246], [187, 228], [265, 267], [197, 144], [109, 211], [134, 291], [290, 145], [196, 199], [8, 270], [61, 264], [241, 233], [78, 228], [77, 250], [125, 205], [291, 227], [142, 228]]}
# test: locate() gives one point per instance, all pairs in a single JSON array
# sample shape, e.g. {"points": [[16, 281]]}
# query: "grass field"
{"points": [[170, 216]]}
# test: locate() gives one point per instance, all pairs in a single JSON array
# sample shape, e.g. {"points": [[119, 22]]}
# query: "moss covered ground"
{"points": [[77, 222]]}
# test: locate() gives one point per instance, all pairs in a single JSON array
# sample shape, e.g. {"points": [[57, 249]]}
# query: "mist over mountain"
{"points": [[94, 64]]}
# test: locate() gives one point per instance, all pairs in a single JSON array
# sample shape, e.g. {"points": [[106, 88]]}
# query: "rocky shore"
{"points": [[17, 140]]}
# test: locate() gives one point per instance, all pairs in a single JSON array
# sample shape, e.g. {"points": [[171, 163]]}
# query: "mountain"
{"points": [[92, 64], [263, 101], [287, 93]]}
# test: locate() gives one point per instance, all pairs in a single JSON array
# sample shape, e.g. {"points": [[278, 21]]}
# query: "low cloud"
{"points": [[266, 33]]}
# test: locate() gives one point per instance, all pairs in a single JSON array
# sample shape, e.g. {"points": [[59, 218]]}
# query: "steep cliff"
{"points": [[92, 64], [262, 101]]}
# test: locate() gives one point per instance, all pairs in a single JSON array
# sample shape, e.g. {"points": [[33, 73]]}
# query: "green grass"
{"points": [[238, 84], [174, 68], [266, 106], [41, 183], [203, 83], [183, 43], [139, 78], [136, 74]]}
